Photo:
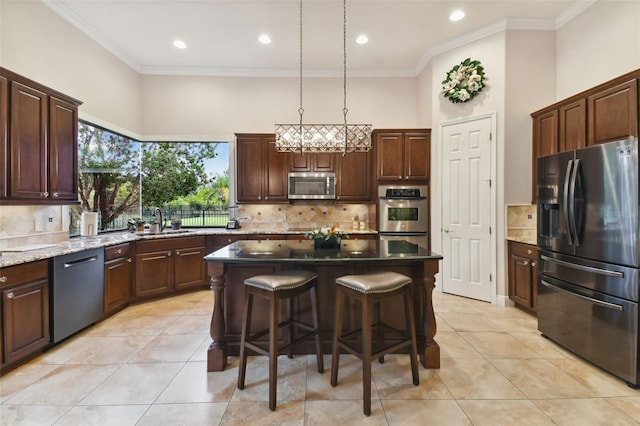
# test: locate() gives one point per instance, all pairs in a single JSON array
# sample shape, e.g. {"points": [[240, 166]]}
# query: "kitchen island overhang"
{"points": [[229, 266]]}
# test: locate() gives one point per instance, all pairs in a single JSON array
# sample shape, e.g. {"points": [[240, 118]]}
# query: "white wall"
{"points": [[38, 44], [219, 106], [601, 43], [529, 85]]}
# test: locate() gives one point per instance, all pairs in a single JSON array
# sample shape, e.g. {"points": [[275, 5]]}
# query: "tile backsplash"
{"points": [[280, 217], [521, 222], [20, 225]]}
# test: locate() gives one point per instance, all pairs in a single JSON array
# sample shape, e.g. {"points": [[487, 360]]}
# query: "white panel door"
{"points": [[466, 209]]}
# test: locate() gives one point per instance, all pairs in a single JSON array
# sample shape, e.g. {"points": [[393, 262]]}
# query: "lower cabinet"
{"points": [[118, 277], [24, 310], [523, 275], [167, 265]]}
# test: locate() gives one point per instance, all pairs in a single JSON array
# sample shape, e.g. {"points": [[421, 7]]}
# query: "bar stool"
{"points": [[275, 287], [370, 289]]}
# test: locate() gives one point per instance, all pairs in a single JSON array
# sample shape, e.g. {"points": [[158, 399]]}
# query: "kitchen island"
{"points": [[229, 266]]}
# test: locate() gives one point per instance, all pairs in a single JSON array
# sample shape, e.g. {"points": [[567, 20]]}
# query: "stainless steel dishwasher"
{"points": [[78, 292]]}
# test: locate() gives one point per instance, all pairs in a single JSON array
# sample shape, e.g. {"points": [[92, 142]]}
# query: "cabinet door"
{"points": [[320, 162], [573, 126], [4, 137], [190, 268], [154, 273], [417, 154], [390, 153], [275, 168], [545, 142], [25, 317], [613, 113], [354, 177], [28, 143], [249, 171], [118, 279], [63, 150], [521, 284]]}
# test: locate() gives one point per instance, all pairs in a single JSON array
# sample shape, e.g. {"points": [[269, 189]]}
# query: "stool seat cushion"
{"points": [[283, 280], [376, 282]]}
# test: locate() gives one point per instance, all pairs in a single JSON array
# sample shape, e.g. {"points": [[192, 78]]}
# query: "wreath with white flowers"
{"points": [[464, 81]]}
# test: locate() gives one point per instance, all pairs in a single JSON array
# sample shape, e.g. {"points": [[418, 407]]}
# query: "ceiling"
{"points": [[222, 36]]}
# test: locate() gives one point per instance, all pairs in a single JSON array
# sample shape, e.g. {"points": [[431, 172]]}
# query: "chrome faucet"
{"points": [[158, 212]]}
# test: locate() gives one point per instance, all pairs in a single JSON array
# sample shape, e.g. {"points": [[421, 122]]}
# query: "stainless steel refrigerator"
{"points": [[589, 260]]}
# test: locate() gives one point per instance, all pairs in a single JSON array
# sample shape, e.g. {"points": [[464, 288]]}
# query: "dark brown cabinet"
{"points": [[24, 311], [523, 275], [316, 162], [118, 277], [601, 114], [39, 155], [4, 141], [168, 265], [261, 170], [613, 113], [403, 155], [354, 181]]}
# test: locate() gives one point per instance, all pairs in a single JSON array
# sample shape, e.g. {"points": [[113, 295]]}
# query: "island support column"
{"points": [[217, 352], [430, 357]]}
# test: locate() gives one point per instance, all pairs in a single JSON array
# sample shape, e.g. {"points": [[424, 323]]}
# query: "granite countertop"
{"points": [[523, 239], [77, 244]]}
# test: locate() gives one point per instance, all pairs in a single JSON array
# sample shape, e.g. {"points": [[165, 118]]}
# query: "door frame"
{"points": [[436, 197]]}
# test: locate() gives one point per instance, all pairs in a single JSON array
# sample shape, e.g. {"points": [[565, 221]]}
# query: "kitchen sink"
{"points": [[166, 232]]}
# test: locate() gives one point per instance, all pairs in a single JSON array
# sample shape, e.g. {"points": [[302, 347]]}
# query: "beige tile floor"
{"points": [[147, 366]]}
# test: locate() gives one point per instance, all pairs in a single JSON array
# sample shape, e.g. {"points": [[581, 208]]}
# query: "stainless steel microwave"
{"points": [[312, 186]]}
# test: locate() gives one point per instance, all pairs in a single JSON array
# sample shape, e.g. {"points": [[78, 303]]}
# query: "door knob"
{"points": [[10, 295], [447, 230]]}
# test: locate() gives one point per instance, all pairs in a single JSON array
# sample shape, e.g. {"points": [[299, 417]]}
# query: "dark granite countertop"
{"points": [[302, 251]]}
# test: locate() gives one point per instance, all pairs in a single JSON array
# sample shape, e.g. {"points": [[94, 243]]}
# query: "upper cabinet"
{"points": [[38, 157], [403, 155], [355, 178], [602, 114], [261, 171], [317, 162]]}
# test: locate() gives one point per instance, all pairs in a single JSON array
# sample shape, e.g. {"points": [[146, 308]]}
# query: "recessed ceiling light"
{"points": [[456, 15], [180, 44], [362, 39], [264, 39]]}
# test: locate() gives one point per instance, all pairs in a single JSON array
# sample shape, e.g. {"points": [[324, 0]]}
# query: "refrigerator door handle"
{"points": [[572, 196], [580, 296], [566, 201], [585, 268]]}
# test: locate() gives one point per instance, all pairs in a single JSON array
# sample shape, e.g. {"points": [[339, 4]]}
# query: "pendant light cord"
{"points": [[301, 110]]}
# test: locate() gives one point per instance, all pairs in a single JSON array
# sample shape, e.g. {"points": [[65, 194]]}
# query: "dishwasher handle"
{"points": [[80, 261]]}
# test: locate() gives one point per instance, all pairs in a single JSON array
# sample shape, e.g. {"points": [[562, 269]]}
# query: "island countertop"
{"points": [[302, 251]]}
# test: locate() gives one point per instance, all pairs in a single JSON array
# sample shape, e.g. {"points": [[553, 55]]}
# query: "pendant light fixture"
{"points": [[309, 138]]}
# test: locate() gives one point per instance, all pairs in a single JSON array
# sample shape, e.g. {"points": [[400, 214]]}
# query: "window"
{"points": [[123, 180]]}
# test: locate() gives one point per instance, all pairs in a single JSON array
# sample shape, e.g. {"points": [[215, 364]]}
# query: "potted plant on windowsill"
{"points": [[176, 223], [328, 237], [136, 224]]}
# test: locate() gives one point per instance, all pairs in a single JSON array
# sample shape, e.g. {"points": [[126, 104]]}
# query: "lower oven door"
{"points": [[403, 243], [602, 329]]}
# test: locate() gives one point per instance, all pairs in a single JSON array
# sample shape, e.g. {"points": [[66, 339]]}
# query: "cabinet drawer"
{"points": [[168, 244], [18, 274], [524, 250], [114, 252]]}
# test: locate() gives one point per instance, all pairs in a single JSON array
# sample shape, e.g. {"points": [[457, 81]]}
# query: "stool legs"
{"points": [[411, 325], [273, 352], [246, 323], [366, 354], [337, 332]]}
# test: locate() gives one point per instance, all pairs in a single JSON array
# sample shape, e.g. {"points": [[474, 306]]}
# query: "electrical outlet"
{"points": [[529, 216], [51, 220]]}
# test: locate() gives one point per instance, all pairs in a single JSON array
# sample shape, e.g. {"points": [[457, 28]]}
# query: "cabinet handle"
{"points": [[533, 264], [129, 260], [55, 195], [178, 252], [529, 251], [169, 254], [10, 295], [266, 198], [525, 263], [259, 198], [3, 279], [119, 251], [44, 194]]}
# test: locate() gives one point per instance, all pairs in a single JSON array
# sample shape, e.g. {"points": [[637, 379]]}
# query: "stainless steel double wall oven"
{"points": [[403, 215]]}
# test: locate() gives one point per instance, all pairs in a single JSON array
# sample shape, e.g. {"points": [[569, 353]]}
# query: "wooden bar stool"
{"points": [[369, 289], [275, 287]]}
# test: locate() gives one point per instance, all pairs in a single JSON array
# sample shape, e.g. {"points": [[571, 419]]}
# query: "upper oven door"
{"points": [[403, 215]]}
